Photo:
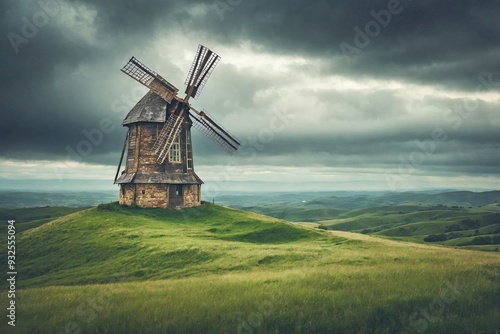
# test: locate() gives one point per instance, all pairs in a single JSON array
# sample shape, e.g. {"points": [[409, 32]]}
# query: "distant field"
{"points": [[346, 201], [27, 199], [457, 218], [306, 213], [477, 228], [27, 218], [212, 269]]}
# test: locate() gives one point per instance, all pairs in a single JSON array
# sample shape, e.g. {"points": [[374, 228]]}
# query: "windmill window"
{"points": [[174, 154], [143, 192]]}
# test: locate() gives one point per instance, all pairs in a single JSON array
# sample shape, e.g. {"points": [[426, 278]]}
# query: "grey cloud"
{"points": [[57, 86]]}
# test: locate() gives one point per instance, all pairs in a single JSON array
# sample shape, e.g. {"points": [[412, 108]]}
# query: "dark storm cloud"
{"points": [[445, 42], [48, 97], [65, 79]]}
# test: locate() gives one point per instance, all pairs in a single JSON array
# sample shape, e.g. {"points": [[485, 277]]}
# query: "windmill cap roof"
{"points": [[151, 108]]}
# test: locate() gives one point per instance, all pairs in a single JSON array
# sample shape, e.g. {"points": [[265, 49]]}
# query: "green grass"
{"points": [[211, 269], [297, 213], [88, 246], [457, 226], [27, 218]]}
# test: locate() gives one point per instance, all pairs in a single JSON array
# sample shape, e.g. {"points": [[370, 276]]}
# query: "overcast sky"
{"points": [[365, 95]]}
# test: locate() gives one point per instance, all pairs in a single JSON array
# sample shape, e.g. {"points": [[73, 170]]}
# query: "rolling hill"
{"points": [[454, 218], [90, 246], [29, 199], [33, 217], [213, 269], [455, 226], [347, 201]]}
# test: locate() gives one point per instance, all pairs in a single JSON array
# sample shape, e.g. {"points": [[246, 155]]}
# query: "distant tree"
{"points": [[435, 238], [484, 240], [454, 235], [454, 227], [470, 224]]}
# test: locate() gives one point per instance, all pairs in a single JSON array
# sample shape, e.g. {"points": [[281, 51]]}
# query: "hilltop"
{"points": [[212, 269], [91, 246]]}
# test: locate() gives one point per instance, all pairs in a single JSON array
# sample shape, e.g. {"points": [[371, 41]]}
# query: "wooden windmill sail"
{"points": [[159, 169]]}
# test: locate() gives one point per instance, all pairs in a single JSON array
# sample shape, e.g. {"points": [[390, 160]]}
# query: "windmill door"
{"points": [[175, 195]]}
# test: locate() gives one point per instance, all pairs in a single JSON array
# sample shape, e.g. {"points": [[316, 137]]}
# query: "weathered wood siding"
{"points": [[140, 155]]}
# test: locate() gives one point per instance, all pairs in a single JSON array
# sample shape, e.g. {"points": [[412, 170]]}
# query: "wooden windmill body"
{"points": [[159, 168]]}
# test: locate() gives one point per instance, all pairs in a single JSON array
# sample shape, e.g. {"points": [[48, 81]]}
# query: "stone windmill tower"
{"points": [[159, 168]]}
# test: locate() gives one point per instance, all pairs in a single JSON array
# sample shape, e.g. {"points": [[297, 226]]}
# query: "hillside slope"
{"points": [[27, 218], [91, 246], [275, 204], [212, 269], [455, 226]]}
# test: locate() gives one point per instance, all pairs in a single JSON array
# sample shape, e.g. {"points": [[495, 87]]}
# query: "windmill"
{"points": [[159, 169]]}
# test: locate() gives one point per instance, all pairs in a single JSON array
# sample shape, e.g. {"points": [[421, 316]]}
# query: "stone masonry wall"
{"points": [[152, 195], [146, 195], [192, 195], [126, 194]]}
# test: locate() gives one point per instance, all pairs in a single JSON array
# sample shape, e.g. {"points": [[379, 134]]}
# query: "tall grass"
{"points": [[219, 270]]}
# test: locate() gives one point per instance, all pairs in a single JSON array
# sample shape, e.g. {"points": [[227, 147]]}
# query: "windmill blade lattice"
{"points": [[203, 65], [167, 135], [215, 132], [149, 78]]}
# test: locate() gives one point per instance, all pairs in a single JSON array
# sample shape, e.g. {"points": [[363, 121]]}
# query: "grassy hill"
{"points": [[297, 213], [92, 245], [346, 201], [453, 218], [32, 217], [30, 199], [212, 269], [453, 226]]}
